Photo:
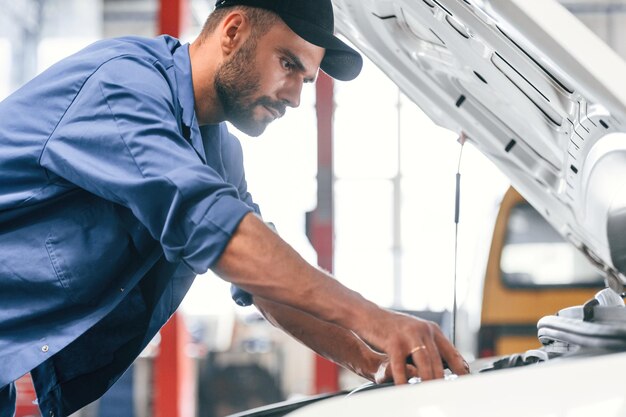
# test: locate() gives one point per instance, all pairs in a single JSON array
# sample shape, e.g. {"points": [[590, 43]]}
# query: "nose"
{"points": [[291, 92]]}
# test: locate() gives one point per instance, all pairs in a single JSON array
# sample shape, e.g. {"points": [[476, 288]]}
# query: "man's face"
{"points": [[264, 76], [237, 83]]}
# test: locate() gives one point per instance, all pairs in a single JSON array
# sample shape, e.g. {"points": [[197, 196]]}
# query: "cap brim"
{"points": [[340, 60]]}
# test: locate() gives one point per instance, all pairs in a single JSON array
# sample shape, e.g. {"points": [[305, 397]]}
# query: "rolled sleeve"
{"points": [[120, 140], [210, 241]]}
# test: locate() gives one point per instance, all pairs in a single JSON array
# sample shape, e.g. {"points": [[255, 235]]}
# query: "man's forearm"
{"points": [[260, 262], [332, 342]]}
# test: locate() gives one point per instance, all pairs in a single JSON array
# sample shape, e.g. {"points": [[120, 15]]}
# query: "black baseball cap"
{"points": [[313, 21]]}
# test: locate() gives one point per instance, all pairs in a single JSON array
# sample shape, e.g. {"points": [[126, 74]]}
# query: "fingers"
{"points": [[411, 372], [434, 357], [384, 374], [427, 360], [453, 358], [398, 368], [421, 359], [416, 342]]}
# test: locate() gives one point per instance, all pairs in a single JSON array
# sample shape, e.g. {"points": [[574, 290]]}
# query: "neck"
{"points": [[204, 64]]}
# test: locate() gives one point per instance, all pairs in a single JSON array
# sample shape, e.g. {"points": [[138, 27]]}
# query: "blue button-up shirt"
{"points": [[112, 199]]}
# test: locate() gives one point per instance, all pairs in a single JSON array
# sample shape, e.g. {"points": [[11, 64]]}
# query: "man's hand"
{"points": [[384, 375], [401, 337], [328, 340], [260, 262], [342, 346]]}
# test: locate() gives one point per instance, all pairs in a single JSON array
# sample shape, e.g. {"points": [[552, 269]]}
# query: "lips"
{"points": [[272, 111], [275, 112]]}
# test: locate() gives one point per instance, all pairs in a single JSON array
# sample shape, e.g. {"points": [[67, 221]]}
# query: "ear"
{"points": [[235, 30]]}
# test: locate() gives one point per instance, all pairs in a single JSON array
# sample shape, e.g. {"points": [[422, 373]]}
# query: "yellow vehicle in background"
{"points": [[532, 272]]}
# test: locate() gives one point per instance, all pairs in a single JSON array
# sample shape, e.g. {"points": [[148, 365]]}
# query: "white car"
{"points": [[544, 99]]}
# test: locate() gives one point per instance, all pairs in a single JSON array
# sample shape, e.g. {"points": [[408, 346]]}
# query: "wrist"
{"points": [[370, 364], [379, 371], [360, 317], [369, 325]]}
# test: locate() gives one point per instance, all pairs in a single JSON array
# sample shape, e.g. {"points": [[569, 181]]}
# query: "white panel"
{"points": [[5, 68]]}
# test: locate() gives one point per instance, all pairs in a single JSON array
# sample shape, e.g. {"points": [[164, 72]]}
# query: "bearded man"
{"points": [[121, 183]]}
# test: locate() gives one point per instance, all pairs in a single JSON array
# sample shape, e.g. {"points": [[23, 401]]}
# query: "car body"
{"points": [[545, 100]]}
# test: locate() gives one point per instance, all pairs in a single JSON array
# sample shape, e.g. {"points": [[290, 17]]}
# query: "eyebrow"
{"points": [[297, 62]]}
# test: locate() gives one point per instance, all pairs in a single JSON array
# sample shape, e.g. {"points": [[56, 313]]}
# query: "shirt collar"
{"points": [[184, 83], [182, 67]]}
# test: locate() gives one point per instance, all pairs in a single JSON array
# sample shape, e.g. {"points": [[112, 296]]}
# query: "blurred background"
{"points": [[367, 190]]}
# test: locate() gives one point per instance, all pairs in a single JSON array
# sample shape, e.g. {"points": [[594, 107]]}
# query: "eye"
{"points": [[286, 64]]}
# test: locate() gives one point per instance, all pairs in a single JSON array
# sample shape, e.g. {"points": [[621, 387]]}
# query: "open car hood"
{"points": [[531, 87]]}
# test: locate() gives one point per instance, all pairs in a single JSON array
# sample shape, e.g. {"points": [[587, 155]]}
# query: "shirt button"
{"points": [[45, 348], [51, 413]]}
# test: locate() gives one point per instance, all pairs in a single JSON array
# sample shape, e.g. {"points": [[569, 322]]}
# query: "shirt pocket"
{"points": [[89, 249]]}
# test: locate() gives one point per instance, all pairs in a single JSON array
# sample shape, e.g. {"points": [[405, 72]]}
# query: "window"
{"points": [[394, 199], [534, 254]]}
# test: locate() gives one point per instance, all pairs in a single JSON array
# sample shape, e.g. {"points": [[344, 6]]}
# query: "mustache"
{"points": [[277, 105]]}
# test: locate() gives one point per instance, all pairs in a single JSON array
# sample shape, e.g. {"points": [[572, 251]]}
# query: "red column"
{"points": [[172, 16], [321, 220], [174, 378], [26, 397]]}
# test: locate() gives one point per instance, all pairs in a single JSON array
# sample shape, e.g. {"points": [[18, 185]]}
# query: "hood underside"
{"points": [[531, 87]]}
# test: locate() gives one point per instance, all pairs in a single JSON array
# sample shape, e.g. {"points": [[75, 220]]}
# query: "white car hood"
{"points": [[589, 387], [531, 87]]}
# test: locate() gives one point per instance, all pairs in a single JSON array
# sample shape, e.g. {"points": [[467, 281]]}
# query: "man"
{"points": [[120, 183]]}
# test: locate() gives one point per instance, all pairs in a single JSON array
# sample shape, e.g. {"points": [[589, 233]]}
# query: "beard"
{"points": [[237, 84]]}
